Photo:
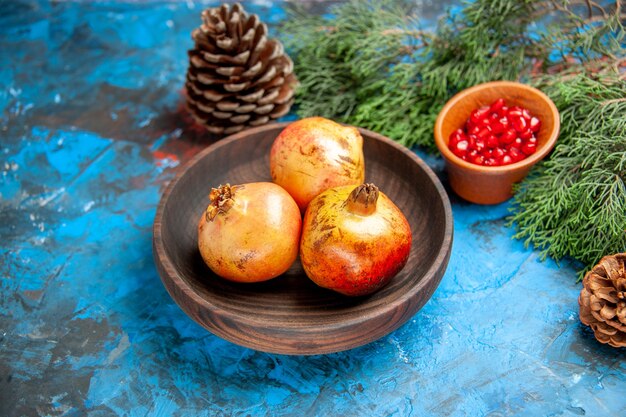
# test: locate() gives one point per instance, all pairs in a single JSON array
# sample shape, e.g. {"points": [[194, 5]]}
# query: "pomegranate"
{"points": [[249, 232], [354, 240], [314, 154]]}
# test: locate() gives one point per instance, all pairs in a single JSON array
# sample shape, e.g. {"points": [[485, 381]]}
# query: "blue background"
{"points": [[93, 128]]}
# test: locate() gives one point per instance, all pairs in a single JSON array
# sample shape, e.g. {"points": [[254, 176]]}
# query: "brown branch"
{"points": [[589, 9], [540, 9], [615, 100], [591, 5], [599, 7], [329, 29], [620, 63], [420, 34], [387, 32], [621, 16]]}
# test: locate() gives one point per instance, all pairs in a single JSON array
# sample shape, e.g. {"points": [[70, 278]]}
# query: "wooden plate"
{"points": [[290, 314]]}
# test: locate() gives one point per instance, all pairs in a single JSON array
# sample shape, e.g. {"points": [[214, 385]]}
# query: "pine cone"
{"points": [[237, 77], [603, 300]]}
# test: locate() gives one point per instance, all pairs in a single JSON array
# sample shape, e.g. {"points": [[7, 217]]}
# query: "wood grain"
{"points": [[290, 314]]}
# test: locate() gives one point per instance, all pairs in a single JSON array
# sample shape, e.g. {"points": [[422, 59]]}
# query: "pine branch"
{"points": [[336, 57], [574, 204]]}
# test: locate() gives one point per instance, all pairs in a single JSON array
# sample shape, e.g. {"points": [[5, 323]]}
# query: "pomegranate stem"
{"points": [[362, 200], [222, 198]]}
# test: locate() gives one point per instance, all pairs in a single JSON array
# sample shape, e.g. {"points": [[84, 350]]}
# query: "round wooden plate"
{"points": [[290, 314]]}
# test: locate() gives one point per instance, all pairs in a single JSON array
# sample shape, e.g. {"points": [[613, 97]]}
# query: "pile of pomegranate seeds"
{"points": [[496, 135]]}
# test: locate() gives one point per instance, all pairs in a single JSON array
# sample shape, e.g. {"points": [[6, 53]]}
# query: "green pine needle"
{"points": [[574, 204]]}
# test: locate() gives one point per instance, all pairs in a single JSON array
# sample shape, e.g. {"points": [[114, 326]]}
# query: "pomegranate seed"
{"points": [[490, 162], [484, 133], [479, 114], [479, 144], [518, 142], [458, 153], [534, 124], [532, 139], [500, 125], [498, 153], [506, 160], [472, 141], [515, 154], [529, 148], [497, 127], [459, 134], [526, 114], [478, 159], [519, 123], [492, 141], [515, 112], [460, 149], [497, 105], [503, 111], [526, 134], [474, 130], [508, 136]]}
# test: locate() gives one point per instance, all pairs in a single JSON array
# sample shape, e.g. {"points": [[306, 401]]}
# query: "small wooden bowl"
{"points": [[493, 185], [290, 314]]}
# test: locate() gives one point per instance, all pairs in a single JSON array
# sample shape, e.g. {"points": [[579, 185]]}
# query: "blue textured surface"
{"points": [[92, 130]]}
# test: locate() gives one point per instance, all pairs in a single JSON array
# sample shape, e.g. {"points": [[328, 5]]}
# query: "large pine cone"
{"points": [[237, 77], [603, 300]]}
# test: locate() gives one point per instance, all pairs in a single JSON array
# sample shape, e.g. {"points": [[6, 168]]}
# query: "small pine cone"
{"points": [[603, 300], [237, 76]]}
